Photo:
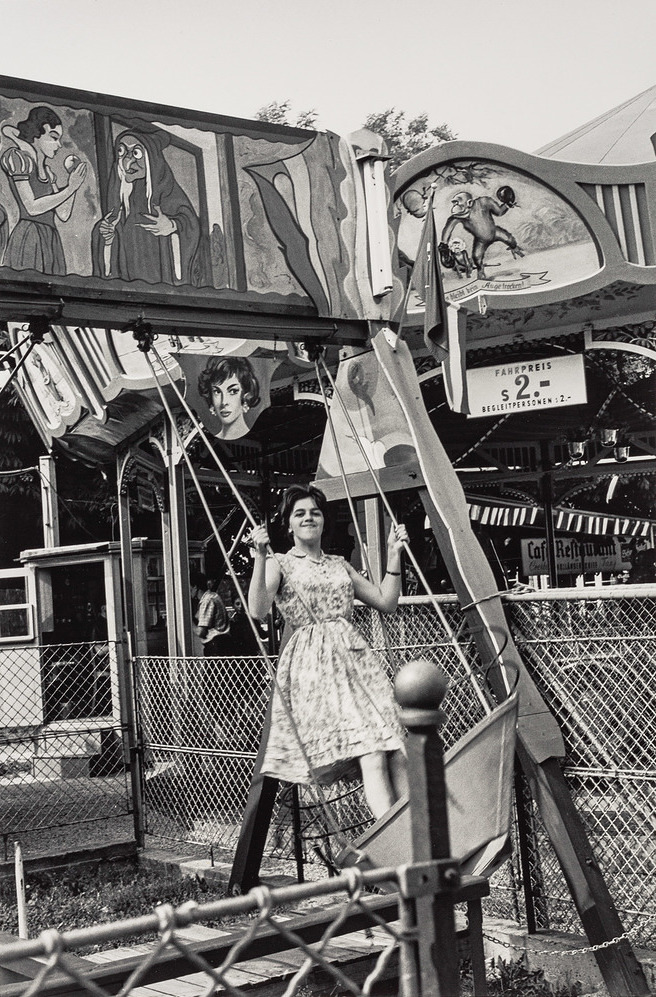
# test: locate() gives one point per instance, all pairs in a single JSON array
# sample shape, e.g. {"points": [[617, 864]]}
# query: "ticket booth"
{"points": [[62, 630]]}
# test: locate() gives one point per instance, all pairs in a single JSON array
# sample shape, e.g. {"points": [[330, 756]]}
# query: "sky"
{"points": [[516, 72]]}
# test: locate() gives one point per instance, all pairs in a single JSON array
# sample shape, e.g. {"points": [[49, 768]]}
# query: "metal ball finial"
{"points": [[420, 688]]}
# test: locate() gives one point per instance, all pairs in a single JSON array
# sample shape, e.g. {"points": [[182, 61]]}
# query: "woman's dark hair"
{"points": [[219, 369], [294, 494], [36, 121]]}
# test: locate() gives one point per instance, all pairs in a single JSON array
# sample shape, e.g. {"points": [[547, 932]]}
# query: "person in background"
{"points": [[213, 625]]}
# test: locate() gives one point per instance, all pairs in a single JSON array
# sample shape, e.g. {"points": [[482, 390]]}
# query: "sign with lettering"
{"points": [[526, 385], [574, 557]]}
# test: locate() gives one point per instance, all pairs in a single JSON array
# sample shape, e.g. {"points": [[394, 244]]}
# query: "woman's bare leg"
{"points": [[398, 769], [378, 790]]}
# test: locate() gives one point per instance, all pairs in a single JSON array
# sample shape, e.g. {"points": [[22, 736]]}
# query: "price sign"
{"points": [[526, 385]]}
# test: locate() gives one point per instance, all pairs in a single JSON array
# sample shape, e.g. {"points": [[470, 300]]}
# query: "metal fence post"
{"points": [[420, 688]]}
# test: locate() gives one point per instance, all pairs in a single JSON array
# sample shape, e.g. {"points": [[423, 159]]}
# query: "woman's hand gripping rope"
{"points": [[266, 574], [259, 540], [398, 537]]}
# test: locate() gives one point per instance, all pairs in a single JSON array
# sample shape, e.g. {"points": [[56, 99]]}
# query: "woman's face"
{"points": [[227, 400], [49, 141], [306, 521]]}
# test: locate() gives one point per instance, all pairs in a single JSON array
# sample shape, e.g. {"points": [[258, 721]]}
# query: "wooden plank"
{"points": [[171, 964], [176, 988], [361, 484]]}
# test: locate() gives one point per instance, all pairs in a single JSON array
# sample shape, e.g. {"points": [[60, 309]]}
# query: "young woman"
{"points": [[231, 390], [335, 688], [35, 243]]}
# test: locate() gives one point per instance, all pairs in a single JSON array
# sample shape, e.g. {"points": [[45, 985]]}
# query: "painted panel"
{"points": [[227, 393], [108, 200], [500, 230]]}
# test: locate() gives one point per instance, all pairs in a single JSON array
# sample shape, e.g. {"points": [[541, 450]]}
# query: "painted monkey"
{"points": [[477, 216], [462, 263]]}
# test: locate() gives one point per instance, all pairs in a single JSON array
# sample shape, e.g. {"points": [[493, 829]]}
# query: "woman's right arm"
{"points": [[266, 576], [36, 206]]}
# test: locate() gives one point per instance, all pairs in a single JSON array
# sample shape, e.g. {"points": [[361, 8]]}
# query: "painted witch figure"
{"points": [[343, 716], [34, 243], [151, 231]]}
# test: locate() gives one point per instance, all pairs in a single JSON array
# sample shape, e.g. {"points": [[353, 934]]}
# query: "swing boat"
{"points": [[478, 768], [478, 772]]}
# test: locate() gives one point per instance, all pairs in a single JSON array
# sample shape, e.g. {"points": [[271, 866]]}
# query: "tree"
{"points": [[84, 496], [406, 138], [20, 493], [279, 113]]}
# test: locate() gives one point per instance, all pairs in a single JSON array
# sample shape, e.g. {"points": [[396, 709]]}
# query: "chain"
{"points": [[567, 952]]}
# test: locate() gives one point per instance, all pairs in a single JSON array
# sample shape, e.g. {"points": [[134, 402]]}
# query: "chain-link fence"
{"points": [[592, 658], [359, 944], [588, 652], [62, 740]]}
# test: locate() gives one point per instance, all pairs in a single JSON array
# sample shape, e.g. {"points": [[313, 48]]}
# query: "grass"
{"points": [[113, 890]]}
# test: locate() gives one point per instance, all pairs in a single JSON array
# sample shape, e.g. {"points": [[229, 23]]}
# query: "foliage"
{"points": [[406, 138], [279, 113], [84, 897], [514, 979]]}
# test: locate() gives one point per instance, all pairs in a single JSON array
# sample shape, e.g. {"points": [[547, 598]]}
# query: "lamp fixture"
{"points": [[576, 449], [621, 454], [608, 437]]}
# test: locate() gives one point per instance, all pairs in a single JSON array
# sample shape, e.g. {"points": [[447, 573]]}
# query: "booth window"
{"points": [[16, 618]]}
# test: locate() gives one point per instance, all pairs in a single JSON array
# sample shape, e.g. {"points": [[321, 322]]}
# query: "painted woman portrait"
{"points": [[150, 230], [231, 390], [34, 242]]}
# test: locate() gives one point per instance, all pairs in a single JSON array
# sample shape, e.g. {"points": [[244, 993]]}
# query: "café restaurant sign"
{"points": [[526, 385], [573, 557]]}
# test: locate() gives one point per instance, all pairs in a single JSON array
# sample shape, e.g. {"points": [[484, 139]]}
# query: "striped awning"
{"points": [[497, 513]]}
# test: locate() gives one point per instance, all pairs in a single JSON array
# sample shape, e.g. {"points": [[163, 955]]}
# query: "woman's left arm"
{"points": [[384, 597]]}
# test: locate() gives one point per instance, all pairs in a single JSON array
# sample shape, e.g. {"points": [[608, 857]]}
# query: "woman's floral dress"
{"points": [[335, 687]]}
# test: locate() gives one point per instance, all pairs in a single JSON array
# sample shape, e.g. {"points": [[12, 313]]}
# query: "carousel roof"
{"points": [[618, 137]]}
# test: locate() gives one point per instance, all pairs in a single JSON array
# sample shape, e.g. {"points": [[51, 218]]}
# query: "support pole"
{"points": [[179, 553], [21, 901], [125, 658], [546, 490], [420, 688], [49, 510]]}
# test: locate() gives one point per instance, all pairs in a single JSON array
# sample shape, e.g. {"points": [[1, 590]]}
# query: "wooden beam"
{"points": [[235, 318]]}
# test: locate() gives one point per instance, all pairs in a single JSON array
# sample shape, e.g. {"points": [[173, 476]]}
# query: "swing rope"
{"points": [[391, 654], [12, 349], [420, 575], [315, 785], [21, 363], [364, 553], [224, 472]]}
